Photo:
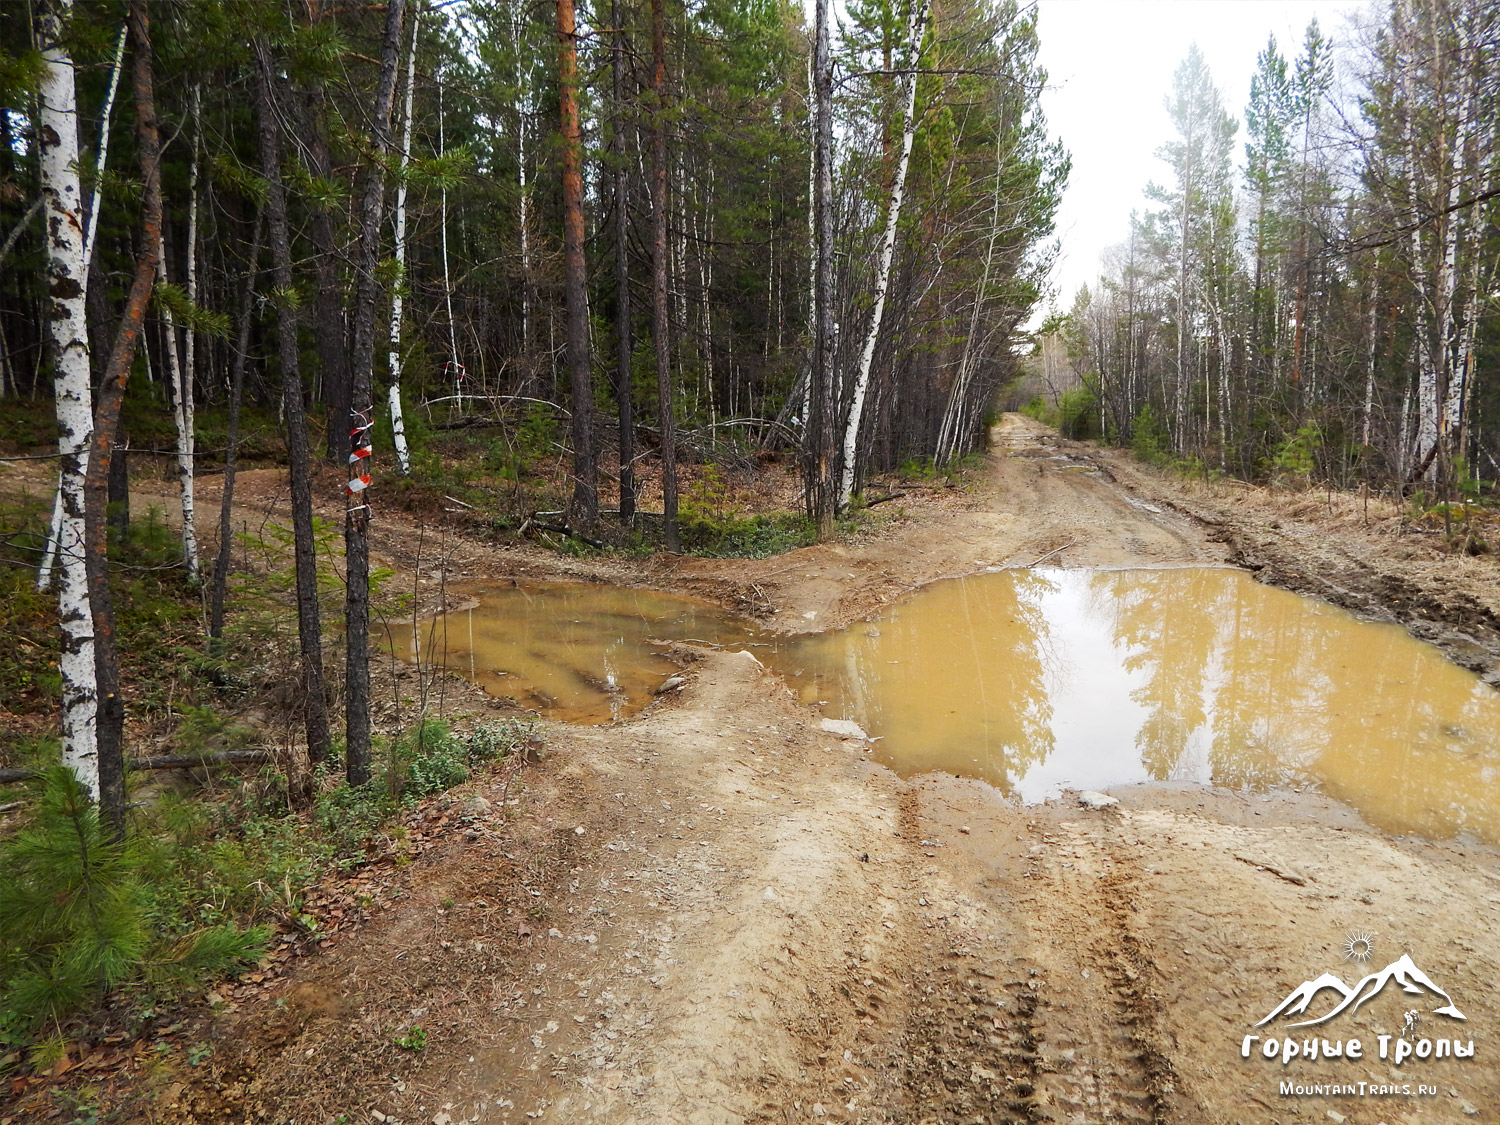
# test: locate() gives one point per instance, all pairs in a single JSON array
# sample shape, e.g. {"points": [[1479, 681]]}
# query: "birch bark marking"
{"points": [[1427, 380], [356, 508], [49, 557], [887, 250], [398, 424], [182, 417], [103, 154], [69, 350]]}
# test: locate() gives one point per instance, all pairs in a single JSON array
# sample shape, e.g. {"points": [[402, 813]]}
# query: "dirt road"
{"points": [[715, 912]]}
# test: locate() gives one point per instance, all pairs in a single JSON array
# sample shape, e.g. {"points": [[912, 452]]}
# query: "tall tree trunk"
{"points": [[357, 508], [823, 393], [583, 510], [49, 556], [1428, 390], [624, 349], [111, 711], [393, 356], [232, 443], [887, 251], [309, 617], [182, 419], [660, 330], [68, 349], [459, 372]]}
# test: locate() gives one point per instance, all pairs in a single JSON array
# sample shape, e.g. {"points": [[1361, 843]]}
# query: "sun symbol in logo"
{"points": [[1358, 945]]}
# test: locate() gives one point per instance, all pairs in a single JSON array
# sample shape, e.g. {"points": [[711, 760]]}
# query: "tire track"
{"points": [[1109, 1054]]}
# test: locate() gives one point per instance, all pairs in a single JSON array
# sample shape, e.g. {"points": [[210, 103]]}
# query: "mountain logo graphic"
{"points": [[1402, 971]]}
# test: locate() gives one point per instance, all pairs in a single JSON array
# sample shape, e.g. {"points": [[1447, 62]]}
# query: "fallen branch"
{"points": [[563, 529], [883, 499], [1054, 551]]}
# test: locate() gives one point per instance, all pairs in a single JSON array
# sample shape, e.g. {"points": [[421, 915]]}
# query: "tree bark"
{"points": [[660, 331], [309, 616], [357, 509], [624, 354], [824, 401], [106, 427], [68, 349], [887, 251], [583, 511], [393, 356], [181, 383]]}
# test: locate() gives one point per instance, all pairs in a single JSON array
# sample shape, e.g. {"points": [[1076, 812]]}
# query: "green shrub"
{"points": [[1148, 438], [1077, 413], [1039, 409], [1296, 457], [76, 917]]}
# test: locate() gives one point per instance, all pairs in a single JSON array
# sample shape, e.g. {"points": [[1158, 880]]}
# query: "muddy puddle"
{"points": [[573, 652], [1036, 681]]}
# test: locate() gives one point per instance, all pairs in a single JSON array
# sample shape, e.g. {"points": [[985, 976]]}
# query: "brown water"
{"points": [[1035, 681], [574, 652]]}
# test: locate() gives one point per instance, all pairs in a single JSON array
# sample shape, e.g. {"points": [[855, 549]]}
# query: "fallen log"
{"points": [[168, 762]]}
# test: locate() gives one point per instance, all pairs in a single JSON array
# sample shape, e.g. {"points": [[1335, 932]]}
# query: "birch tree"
{"points": [[68, 349], [393, 356], [887, 250]]}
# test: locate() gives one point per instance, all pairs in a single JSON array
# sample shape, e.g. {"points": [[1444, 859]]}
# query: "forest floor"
{"points": [[717, 912]]}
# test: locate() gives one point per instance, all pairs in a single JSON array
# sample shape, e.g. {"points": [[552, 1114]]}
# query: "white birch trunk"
{"points": [[49, 556], [1450, 333], [523, 110], [68, 340], [1483, 157], [103, 154], [887, 251], [182, 418], [1427, 382], [1370, 359], [190, 356], [398, 423], [458, 369]]}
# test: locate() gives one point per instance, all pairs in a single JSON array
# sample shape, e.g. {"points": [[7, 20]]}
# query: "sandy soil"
{"points": [[715, 912]]}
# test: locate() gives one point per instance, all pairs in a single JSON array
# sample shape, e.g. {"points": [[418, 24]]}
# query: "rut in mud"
{"points": [[717, 912]]}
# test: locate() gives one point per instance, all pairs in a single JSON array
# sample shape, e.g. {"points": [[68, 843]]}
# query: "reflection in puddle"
{"points": [[1038, 680], [579, 653]]}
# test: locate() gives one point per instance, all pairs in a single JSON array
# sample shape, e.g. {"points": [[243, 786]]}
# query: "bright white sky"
{"points": [[1109, 66]]}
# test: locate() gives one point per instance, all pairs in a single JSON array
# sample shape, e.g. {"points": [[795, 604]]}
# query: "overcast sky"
{"points": [[1109, 66]]}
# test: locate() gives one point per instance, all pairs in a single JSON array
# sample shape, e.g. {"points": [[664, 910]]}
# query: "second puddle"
{"points": [[1039, 680]]}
